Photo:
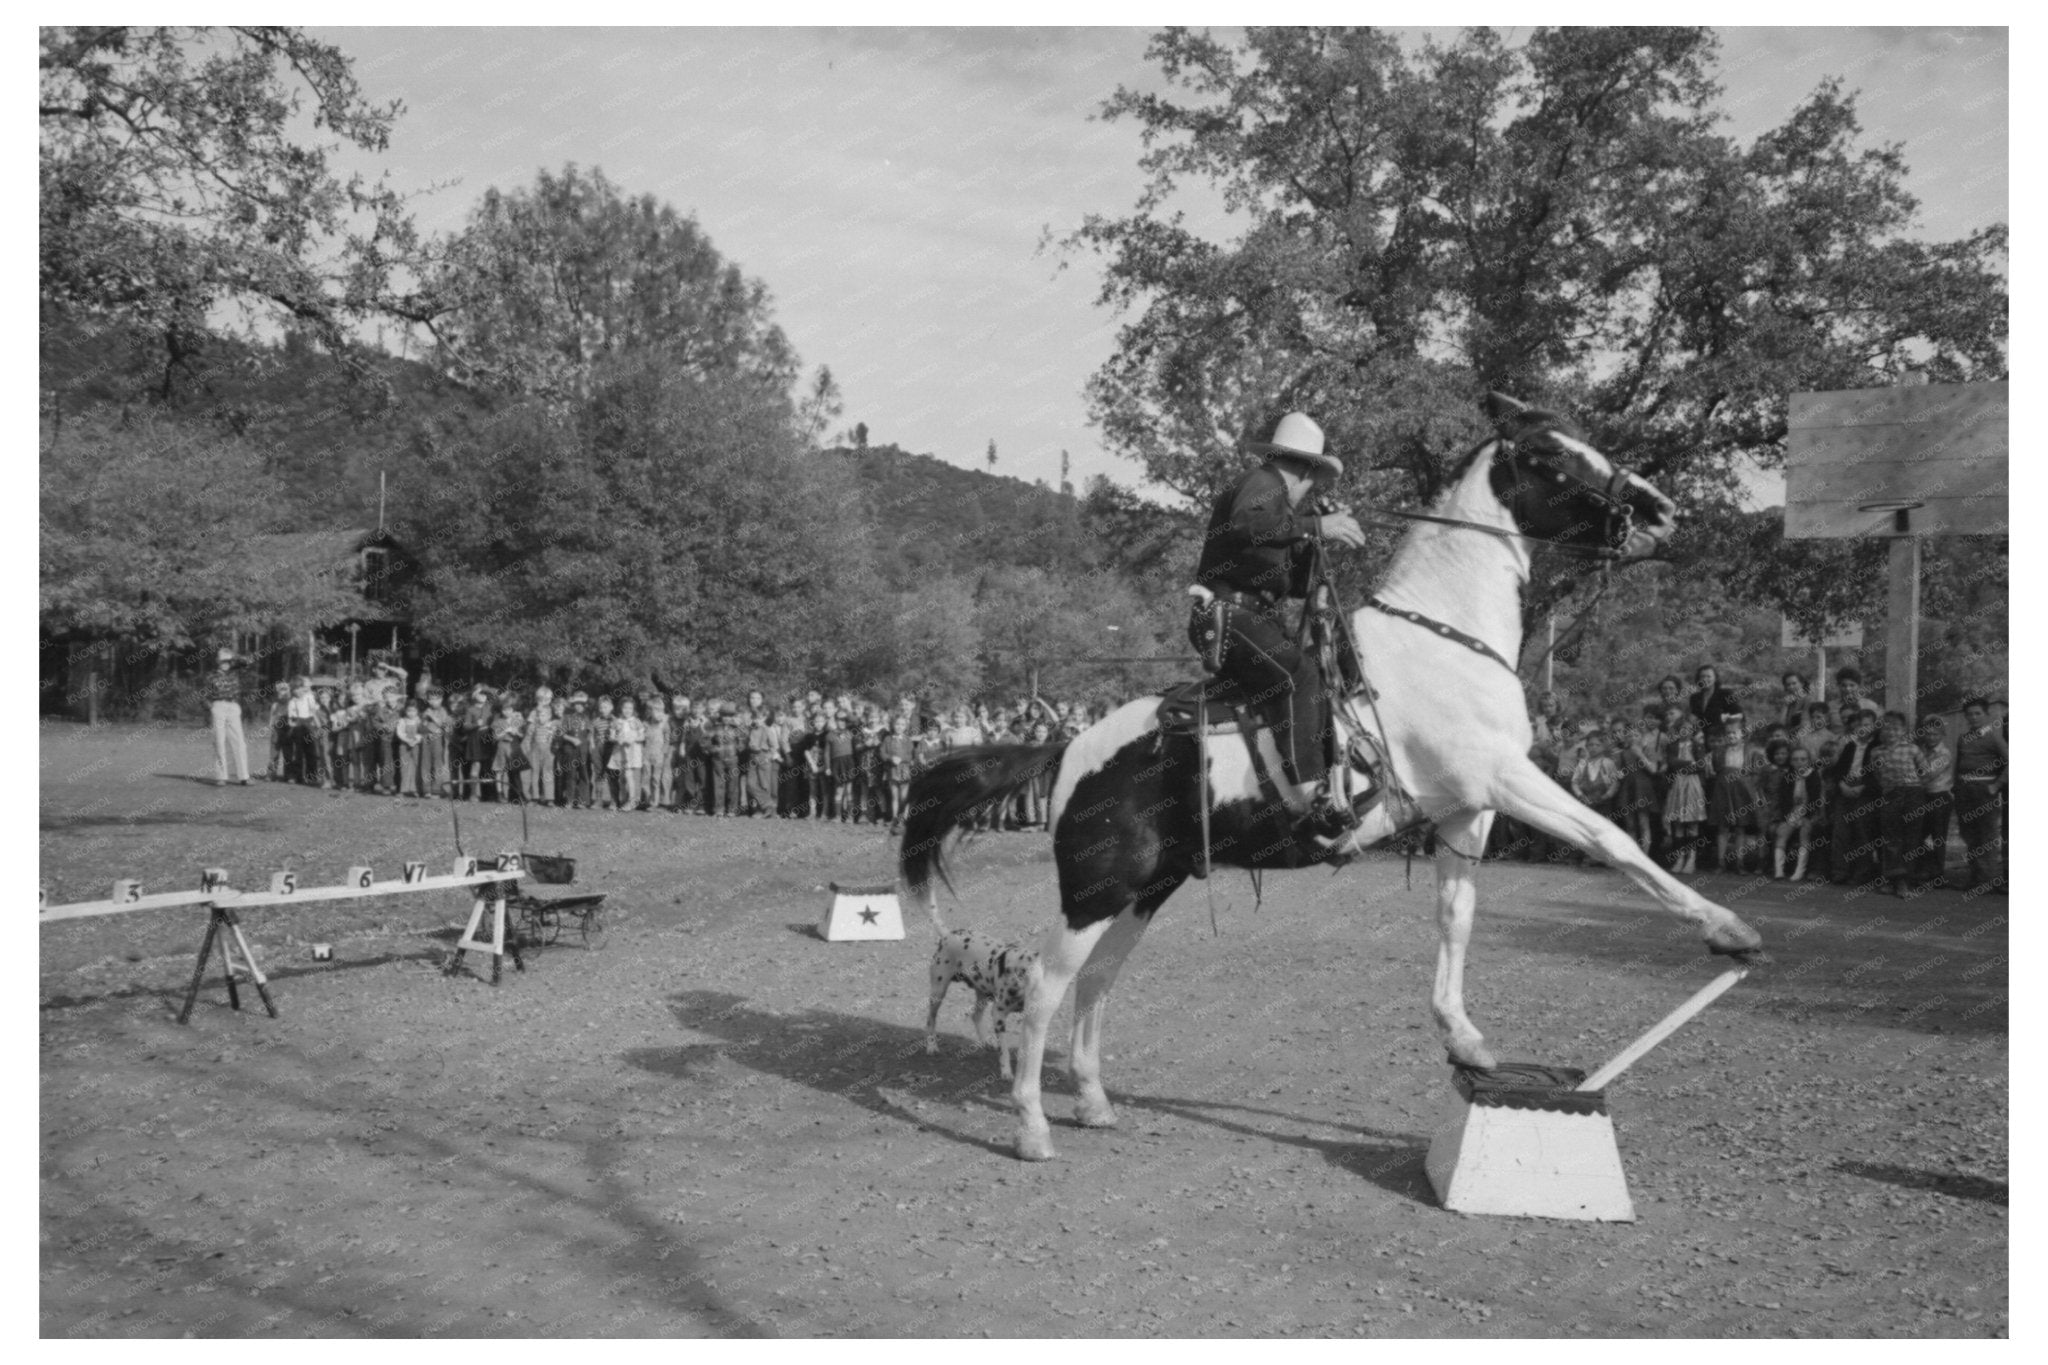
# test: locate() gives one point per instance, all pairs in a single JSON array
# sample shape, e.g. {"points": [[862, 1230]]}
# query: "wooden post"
{"points": [[1902, 627], [1550, 658]]}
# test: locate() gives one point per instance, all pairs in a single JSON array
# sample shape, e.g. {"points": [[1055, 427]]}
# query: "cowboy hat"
{"points": [[1299, 438]]}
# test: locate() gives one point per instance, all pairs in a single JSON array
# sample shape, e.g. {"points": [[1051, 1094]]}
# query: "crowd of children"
{"points": [[811, 757], [1840, 791]]}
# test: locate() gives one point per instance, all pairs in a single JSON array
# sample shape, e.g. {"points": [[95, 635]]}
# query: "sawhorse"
{"points": [[500, 941], [221, 926]]}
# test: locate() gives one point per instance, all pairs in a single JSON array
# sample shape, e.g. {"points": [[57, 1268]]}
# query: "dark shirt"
{"points": [[1255, 543], [1980, 755], [225, 684], [1711, 707]]}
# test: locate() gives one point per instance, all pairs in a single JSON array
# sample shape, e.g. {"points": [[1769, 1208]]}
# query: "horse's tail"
{"points": [[945, 798]]}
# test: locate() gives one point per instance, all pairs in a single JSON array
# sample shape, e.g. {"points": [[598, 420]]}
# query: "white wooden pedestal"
{"points": [[1519, 1140], [861, 912]]}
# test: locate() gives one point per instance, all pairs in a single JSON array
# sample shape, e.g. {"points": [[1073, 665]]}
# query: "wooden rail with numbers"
{"points": [[222, 901]]}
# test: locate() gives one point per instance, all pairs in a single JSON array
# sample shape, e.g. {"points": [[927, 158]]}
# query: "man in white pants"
{"points": [[224, 689]]}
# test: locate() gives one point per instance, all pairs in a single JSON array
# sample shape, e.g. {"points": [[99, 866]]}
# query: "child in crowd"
{"points": [[1685, 804], [1596, 778], [1798, 812], [1854, 802], [282, 768], [1937, 804], [537, 783], [899, 759], [604, 752], [508, 751], [629, 752], [409, 739], [573, 748], [1640, 759], [434, 726], [660, 751], [1901, 773], [1732, 805], [839, 757]]}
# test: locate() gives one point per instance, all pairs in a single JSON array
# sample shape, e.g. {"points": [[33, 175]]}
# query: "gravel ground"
{"points": [[722, 1125]]}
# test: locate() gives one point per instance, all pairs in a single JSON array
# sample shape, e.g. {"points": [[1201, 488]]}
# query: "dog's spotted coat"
{"points": [[999, 974]]}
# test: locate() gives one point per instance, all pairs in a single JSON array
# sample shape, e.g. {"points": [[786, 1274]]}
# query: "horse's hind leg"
{"points": [[1060, 959], [1091, 996], [1459, 843]]}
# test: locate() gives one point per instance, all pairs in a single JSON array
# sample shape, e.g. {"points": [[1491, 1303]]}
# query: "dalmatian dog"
{"points": [[999, 974]]}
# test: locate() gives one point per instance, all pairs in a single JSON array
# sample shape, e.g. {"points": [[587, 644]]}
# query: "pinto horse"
{"points": [[1436, 642]]}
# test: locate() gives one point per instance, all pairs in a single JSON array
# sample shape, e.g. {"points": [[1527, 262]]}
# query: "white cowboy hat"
{"points": [[1298, 437]]}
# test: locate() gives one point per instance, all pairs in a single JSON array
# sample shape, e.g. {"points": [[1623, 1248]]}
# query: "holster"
{"points": [[1206, 627]]}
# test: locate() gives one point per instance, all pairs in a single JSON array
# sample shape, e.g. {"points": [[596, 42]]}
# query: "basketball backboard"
{"points": [[1855, 458]]}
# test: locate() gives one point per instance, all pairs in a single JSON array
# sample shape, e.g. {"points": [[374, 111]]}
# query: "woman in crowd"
{"points": [[1710, 702]]}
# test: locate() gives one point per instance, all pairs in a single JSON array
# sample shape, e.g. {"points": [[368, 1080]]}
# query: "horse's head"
{"points": [[1561, 490]]}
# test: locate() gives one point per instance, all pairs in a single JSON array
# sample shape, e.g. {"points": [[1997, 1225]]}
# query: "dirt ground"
{"points": [[721, 1125]]}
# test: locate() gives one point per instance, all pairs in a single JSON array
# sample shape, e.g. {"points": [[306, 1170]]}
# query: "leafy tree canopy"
{"points": [[175, 183], [145, 534], [1560, 221], [546, 283]]}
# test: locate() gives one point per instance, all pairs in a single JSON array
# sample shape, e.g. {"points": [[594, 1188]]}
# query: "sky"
{"points": [[894, 188]]}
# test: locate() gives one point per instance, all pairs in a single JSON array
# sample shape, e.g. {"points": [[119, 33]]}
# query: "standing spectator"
{"points": [[1937, 801], [1854, 797], [575, 748], [225, 688], [629, 752], [1796, 701], [839, 766], [1850, 698], [1823, 839], [1596, 778], [604, 749], [1637, 805], [814, 765], [1797, 813], [867, 764], [1901, 771], [660, 751], [279, 768], [1685, 803], [434, 727], [1711, 703], [760, 764], [726, 740], [963, 731], [508, 747], [537, 783], [1980, 790], [385, 713], [1733, 807], [899, 760], [408, 737], [304, 735], [690, 784]]}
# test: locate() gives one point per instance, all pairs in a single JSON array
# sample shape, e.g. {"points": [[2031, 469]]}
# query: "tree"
{"points": [[544, 284], [1035, 621], [1560, 221], [145, 535], [667, 524], [174, 188], [991, 455]]}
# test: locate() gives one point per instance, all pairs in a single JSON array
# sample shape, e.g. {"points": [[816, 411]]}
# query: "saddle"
{"points": [[1226, 707]]}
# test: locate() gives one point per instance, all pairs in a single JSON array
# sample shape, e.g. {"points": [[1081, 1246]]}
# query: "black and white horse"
{"points": [[1436, 643]]}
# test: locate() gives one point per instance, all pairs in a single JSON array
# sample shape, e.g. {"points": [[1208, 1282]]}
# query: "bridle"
{"points": [[1610, 497]]}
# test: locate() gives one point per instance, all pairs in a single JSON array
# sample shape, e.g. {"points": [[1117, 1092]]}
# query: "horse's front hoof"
{"points": [[1035, 1144], [1095, 1114], [1476, 1055], [1735, 939]]}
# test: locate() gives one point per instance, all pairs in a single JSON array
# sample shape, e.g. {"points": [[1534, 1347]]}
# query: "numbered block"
{"points": [[360, 878], [212, 878], [415, 872], [284, 883], [42, 899], [510, 862], [465, 867], [126, 891]]}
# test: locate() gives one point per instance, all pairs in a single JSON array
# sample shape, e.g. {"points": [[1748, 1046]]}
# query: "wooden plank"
{"points": [[1852, 483], [227, 895], [1961, 404], [1896, 444], [1987, 516], [257, 900]]}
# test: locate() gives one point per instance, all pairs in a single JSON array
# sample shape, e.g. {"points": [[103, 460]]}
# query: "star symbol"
{"points": [[870, 917]]}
